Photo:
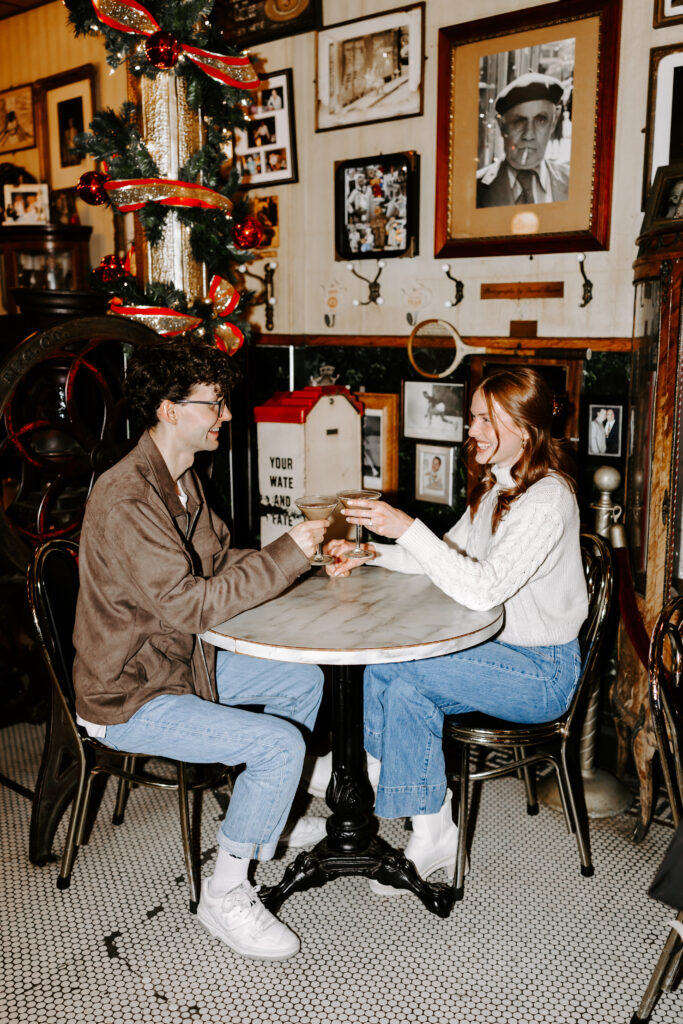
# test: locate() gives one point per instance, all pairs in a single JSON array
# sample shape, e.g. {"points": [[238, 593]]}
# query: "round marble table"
{"points": [[372, 616]]}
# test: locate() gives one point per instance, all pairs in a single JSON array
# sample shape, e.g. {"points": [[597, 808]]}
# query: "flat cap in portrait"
{"points": [[532, 86]]}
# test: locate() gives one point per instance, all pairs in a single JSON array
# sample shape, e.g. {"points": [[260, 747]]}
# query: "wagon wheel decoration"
{"points": [[63, 422]]}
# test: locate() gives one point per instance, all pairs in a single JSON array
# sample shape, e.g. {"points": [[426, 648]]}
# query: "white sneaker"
{"points": [[240, 920], [308, 831], [322, 773]]}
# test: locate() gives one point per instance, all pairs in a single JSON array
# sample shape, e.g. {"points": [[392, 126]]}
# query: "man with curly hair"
{"points": [[157, 570]]}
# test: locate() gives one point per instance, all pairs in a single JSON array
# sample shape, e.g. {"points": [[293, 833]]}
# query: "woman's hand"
{"points": [[377, 516], [343, 566], [309, 534]]}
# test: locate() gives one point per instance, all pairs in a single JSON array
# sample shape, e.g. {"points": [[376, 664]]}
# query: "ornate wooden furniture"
{"points": [[48, 257]]}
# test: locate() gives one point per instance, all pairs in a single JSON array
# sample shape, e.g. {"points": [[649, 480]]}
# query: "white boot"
{"points": [[432, 845], [322, 773]]}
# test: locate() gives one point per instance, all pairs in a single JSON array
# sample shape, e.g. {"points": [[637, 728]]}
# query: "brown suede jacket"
{"points": [[153, 576]]}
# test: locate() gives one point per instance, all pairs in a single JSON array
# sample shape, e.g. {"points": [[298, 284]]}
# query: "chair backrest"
{"points": [[598, 569], [52, 581], [665, 683]]}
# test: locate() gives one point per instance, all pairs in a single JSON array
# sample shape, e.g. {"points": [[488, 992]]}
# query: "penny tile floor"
{"points": [[532, 942]]}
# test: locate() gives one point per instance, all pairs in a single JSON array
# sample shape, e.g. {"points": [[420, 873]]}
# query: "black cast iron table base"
{"points": [[352, 846]]}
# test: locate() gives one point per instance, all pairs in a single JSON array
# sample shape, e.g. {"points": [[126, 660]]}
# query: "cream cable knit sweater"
{"points": [[532, 564]]}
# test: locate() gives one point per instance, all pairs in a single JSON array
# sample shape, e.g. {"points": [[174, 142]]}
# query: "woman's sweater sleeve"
{"points": [[523, 542], [399, 559]]}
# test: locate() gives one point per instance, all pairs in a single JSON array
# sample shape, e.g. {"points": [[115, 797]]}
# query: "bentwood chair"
{"points": [[665, 683], [553, 743], [53, 592]]}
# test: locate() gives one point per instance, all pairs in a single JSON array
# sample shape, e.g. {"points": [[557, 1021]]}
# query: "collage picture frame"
{"points": [[265, 150], [376, 201]]}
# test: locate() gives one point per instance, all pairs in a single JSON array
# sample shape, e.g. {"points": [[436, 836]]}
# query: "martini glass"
{"points": [[344, 497], [318, 506]]}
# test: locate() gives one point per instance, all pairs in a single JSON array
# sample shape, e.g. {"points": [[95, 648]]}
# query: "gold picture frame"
{"points": [[477, 61], [17, 123], [380, 441]]}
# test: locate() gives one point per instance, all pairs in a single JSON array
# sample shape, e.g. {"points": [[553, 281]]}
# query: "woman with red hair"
{"points": [[517, 545]]}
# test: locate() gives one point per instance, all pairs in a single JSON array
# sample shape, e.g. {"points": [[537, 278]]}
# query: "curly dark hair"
{"points": [[171, 370]]}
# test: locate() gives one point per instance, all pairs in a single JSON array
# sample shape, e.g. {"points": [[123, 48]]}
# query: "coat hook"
{"points": [[459, 287], [373, 286], [587, 284], [267, 296], [411, 318], [329, 319]]}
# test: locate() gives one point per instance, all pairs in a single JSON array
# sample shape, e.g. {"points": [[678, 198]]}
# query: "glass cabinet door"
{"points": [[646, 325]]}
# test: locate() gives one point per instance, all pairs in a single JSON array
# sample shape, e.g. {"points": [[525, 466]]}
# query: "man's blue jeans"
{"points": [[405, 705], [185, 727]]}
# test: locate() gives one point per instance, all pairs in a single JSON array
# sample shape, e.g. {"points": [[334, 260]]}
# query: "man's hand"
{"points": [[343, 566], [309, 534]]}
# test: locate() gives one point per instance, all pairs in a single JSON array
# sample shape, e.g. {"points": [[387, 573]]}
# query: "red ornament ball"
{"points": [[247, 233], [163, 50], [90, 188], [110, 269]]}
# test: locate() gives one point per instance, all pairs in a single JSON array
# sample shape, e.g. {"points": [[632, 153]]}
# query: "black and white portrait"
{"points": [[525, 125], [433, 411], [372, 448]]}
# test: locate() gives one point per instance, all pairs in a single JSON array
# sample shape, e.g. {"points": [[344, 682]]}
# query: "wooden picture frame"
{"points": [[17, 122], [480, 205], [434, 473], [370, 69], [667, 12], [663, 131], [380, 441], [433, 411], [376, 206], [271, 159], [664, 210], [246, 23], [67, 103]]}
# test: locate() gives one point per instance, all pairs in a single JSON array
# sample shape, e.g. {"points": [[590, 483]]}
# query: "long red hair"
{"points": [[528, 401]]}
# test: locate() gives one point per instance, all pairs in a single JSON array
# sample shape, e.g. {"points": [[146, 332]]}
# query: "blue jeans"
{"points": [[405, 706], [185, 727]]}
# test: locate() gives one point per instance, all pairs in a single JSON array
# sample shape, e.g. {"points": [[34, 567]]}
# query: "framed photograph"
{"points": [[265, 152], [245, 23], [380, 441], [63, 208], [26, 204], [267, 212], [605, 430], [668, 12], [68, 106], [434, 473], [17, 126], [664, 130], [665, 202], [434, 412], [370, 69], [526, 166], [376, 201]]}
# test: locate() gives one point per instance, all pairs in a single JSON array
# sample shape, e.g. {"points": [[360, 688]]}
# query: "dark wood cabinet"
{"points": [[45, 257]]}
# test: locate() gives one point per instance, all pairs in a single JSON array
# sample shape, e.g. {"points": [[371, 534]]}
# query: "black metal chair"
{"points": [[549, 742], [71, 759], [665, 682]]}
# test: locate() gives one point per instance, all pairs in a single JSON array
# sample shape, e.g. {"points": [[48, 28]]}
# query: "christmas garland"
{"points": [[168, 37]]}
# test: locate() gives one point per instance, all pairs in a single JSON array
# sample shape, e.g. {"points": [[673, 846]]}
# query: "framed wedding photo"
{"points": [[380, 441], [434, 412], [376, 206], [370, 69], [434, 473], [496, 195], [265, 150]]}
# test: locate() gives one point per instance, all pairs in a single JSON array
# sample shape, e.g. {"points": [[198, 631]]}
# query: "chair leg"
{"points": [[461, 858], [579, 815], [123, 791], [78, 813], [191, 865], [658, 979], [529, 776]]}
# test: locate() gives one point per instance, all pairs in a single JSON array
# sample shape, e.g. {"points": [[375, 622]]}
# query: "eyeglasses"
{"points": [[219, 406]]}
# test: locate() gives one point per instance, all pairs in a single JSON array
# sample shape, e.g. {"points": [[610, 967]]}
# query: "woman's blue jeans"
{"points": [[187, 728], [405, 705]]}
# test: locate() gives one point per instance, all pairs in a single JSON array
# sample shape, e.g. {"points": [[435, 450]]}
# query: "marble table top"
{"points": [[371, 617]]}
